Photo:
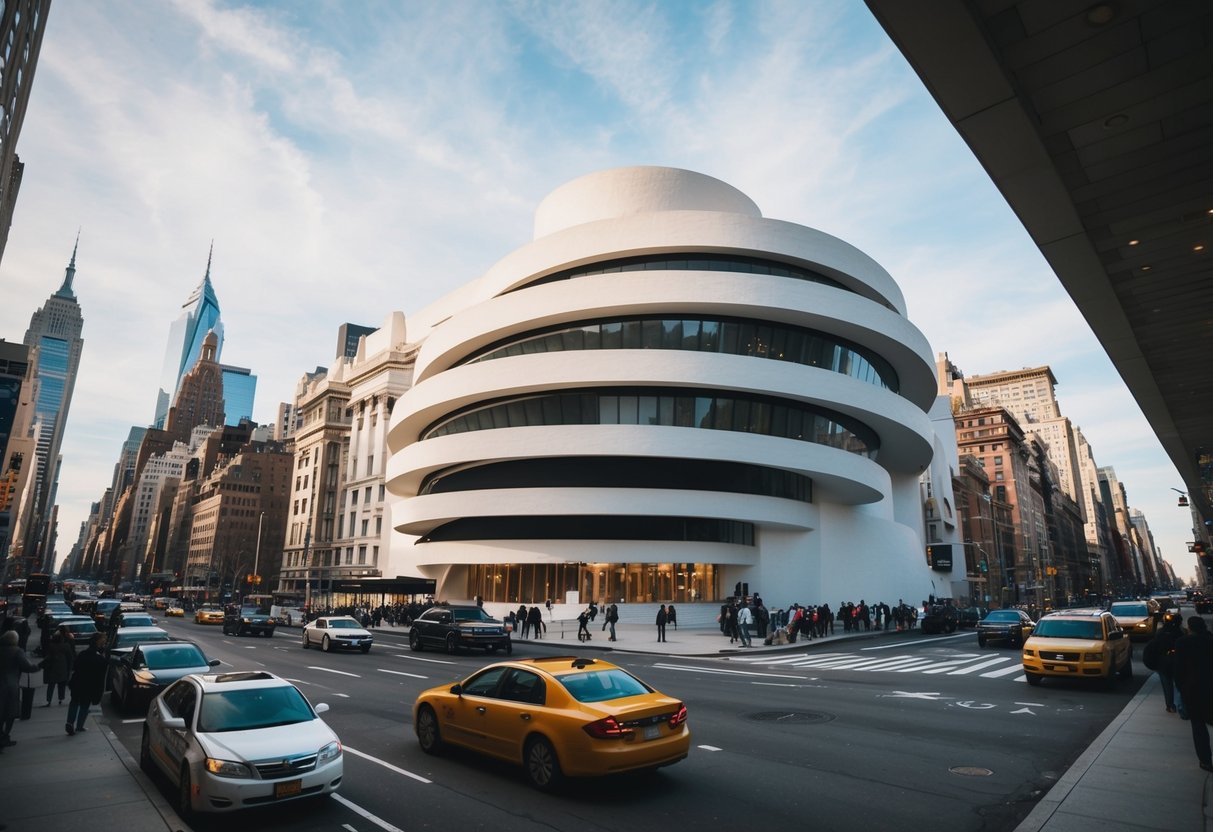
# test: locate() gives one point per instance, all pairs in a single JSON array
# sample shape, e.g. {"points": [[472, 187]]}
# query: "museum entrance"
{"points": [[634, 583]]}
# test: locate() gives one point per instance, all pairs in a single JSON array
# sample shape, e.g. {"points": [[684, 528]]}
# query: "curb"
{"points": [[171, 819]]}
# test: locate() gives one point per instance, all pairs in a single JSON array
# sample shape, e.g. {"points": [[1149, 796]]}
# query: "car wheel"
{"points": [[429, 737], [492, 648], [366, 648], [326, 645], [415, 642], [451, 644], [509, 648], [145, 753], [1126, 671], [185, 789], [981, 640], [541, 766], [304, 641], [951, 628], [269, 633], [1034, 679]]}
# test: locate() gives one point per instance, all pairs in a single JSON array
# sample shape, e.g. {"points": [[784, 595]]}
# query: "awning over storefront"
{"points": [[399, 585]]}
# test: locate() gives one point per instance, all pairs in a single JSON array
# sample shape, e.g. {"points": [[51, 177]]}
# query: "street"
{"points": [[893, 731]]}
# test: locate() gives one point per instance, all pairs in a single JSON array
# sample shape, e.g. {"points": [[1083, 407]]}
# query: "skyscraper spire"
{"points": [[209, 255], [66, 289]]}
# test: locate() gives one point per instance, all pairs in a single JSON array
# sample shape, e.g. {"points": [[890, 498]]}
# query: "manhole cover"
{"points": [[970, 771], [792, 717]]}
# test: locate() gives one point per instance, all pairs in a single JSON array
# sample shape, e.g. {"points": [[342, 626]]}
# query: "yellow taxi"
{"points": [[1137, 618], [174, 612], [1078, 644], [558, 717], [209, 614]]}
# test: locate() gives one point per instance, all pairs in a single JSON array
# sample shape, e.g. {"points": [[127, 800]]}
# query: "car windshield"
{"points": [[344, 624], [1003, 615], [250, 611], [1130, 609], [131, 639], [1069, 629], [169, 658], [601, 685], [245, 710], [473, 614]]}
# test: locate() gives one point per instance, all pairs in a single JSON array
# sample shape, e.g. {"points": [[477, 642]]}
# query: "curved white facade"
{"points": [[662, 395]]}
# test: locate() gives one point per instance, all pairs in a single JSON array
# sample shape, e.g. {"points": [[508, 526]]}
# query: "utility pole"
{"points": [[257, 551]]}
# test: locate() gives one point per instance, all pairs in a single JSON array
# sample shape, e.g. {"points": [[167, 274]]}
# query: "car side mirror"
{"points": [[1116, 635], [174, 723], [321, 708], [457, 689], [213, 663]]}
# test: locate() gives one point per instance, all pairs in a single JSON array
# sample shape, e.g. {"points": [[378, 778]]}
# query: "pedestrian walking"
{"points": [[612, 616], [671, 616], [661, 622], [744, 619], [86, 685], [583, 621], [13, 662], [1194, 676], [57, 664]]}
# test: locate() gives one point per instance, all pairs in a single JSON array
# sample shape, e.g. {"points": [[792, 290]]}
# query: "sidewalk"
{"points": [[1139, 774], [88, 781]]}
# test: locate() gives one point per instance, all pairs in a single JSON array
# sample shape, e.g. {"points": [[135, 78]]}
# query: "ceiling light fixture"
{"points": [[1134, 242], [1145, 268], [1101, 14], [1198, 247]]}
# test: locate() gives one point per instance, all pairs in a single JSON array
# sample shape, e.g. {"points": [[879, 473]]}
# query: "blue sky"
{"points": [[352, 159]]}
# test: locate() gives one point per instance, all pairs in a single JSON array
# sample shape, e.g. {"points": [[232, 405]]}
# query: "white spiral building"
{"points": [[661, 396]]}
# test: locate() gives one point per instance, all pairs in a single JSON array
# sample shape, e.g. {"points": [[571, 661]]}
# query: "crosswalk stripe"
{"points": [[987, 663], [944, 667], [1003, 671]]}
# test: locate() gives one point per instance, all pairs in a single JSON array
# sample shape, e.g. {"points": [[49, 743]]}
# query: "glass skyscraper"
{"points": [[239, 391], [199, 315]]}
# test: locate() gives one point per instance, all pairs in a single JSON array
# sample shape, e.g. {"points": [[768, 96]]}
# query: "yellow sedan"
{"points": [[209, 615], [556, 717], [174, 612]]}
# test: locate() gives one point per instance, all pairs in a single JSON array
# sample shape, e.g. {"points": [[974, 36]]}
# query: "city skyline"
{"points": [[335, 192]]}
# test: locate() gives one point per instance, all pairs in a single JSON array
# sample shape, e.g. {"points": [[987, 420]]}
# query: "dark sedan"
{"points": [[149, 668], [1009, 625], [452, 627]]}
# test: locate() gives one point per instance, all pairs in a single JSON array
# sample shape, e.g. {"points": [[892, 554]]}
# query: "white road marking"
{"points": [[129, 721], [905, 694], [358, 810], [330, 670], [945, 666], [987, 663], [385, 764], [784, 685], [401, 673], [342, 695], [902, 645], [419, 659], [297, 681], [347, 826], [727, 672], [1003, 671], [709, 748]]}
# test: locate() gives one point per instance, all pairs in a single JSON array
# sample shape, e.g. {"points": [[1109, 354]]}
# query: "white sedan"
{"points": [[336, 632], [236, 740]]}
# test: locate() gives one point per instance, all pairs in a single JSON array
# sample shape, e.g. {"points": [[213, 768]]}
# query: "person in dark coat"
{"points": [[13, 662], [671, 616], [1194, 676], [661, 621], [87, 684], [534, 618], [612, 618], [1163, 646], [57, 664]]}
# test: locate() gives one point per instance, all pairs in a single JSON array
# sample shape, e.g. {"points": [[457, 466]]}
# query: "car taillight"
{"points": [[606, 729], [679, 716]]}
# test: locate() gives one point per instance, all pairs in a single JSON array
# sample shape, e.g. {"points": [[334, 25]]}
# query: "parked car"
{"points": [[1204, 604], [233, 740], [238, 621], [940, 618], [122, 640], [134, 619], [209, 614], [145, 671], [1078, 644], [82, 630], [557, 717], [1010, 625], [453, 627], [969, 616], [336, 632]]}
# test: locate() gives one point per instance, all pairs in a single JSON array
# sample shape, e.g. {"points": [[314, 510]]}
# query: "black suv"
{"points": [[450, 628], [940, 618], [238, 621]]}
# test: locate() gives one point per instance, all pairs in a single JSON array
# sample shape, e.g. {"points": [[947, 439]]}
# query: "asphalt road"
{"points": [[908, 730]]}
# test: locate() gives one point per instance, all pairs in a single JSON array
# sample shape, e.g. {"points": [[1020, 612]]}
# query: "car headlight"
{"points": [[227, 768], [1029, 652], [1141, 625], [1092, 657], [248, 621], [330, 752]]}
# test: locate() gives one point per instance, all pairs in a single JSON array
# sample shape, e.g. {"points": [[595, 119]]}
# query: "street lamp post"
{"points": [[257, 551]]}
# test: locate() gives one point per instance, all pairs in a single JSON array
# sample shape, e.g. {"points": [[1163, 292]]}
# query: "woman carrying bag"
{"points": [[60, 655], [13, 662]]}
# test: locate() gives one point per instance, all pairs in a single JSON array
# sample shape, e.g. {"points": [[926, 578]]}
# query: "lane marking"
{"points": [[709, 748], [347, 826], [297, 681], [330, 670], [921, 641], [385, 764], [358, 810], [419, 659], [342, 695], [729, 672], [401, 673], [799, 657], [129, 721]]}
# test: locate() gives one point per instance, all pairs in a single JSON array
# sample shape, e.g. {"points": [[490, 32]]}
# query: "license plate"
{"points": [[1060, 668], [288, 788], [652, 732]]}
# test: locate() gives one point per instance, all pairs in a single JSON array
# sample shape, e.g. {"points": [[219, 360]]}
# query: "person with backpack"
{"points": [[1159, 656]]}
